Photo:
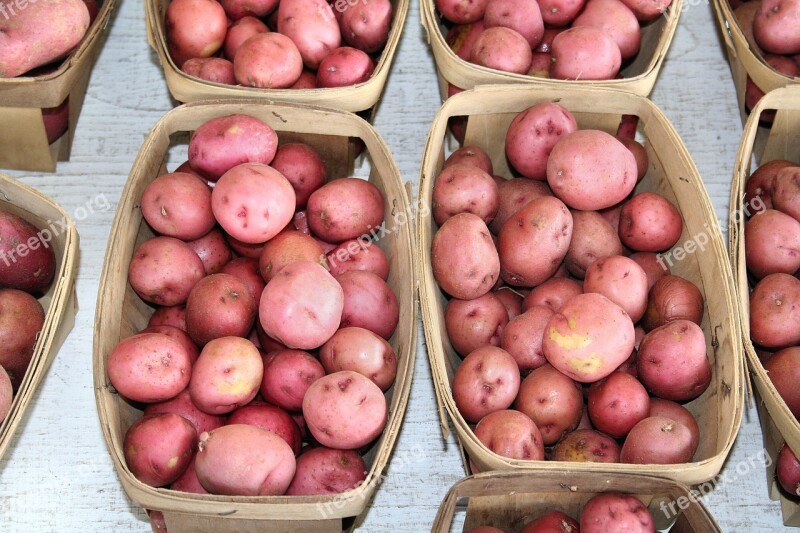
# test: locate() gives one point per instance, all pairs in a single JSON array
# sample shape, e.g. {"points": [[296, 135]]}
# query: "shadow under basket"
{"points": [[121, 313]]}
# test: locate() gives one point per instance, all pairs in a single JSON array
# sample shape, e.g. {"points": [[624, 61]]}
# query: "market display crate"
{"points": [[120, 313]]}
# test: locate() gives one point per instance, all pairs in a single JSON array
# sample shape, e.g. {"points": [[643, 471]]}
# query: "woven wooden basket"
{"points": [[121, 313], [59, 302], [185, 88], [508, 500], [23, 140], [672, 173]]}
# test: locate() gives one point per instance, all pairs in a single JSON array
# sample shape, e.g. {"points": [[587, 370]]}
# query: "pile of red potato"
{"points": [[263, 368]]}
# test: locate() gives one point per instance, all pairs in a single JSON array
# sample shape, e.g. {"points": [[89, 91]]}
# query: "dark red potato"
{"points": [[657, 440], [758, 189], [220, 305], [271, 418], [21, 322], [788, 471], [183, 405], [27, 260], [303, 167], [213, 250], [522, 338], [552, 522], [783, 370], [673, 298], [287, 376], [327, 471], [158, 448]]}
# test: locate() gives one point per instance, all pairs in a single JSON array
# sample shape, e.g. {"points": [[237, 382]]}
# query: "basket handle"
{"points": [[724, 26]]}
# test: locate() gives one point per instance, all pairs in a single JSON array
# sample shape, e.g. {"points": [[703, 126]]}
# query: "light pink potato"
{"points": [[287, 376], [220, 305], [213, 69], [246, 269], [772, 243], [366, 25], [21, 322], [657, 440], [551, 522], [474, 155], [786, 191], [238, 32], [464, 259], [588, 337], [227, 375], [344, 209], [639, 152], [647, 10], [163, 271], [503, 49], [183, 405], [158, 448], [288, 247], [552, 400], [472, 324], [617, 403], [585, 53], [179, 335], [224, 142], [513, 194], [654, 266], [358, 254], [677, 412], [559, 13], [541, 229], [213, 251], [611, 215], [522, 338], [783, 369], [758, 188], [327, 471], [461, 38], [612, 511], [268, 61], [369, 302], [307, 80], [271, 418], [244, 460], [178, 205], [616, 18], [345, 66], [253, 202], [510, 300], [787, 471], [238, 9], [186, 482], [591, 170], [523, 16], [553, 294], [302, 306], [303, 167], [6, 394], [462, 11], [360, 350], [169, 316], [540, 64], [312, 26], [195, 28], [593, 238], [621, 280], [511, 434], [464, 188], [487, 380], [775, 26], [649, 223], [586, 445], [344, 410], [672, 298]]}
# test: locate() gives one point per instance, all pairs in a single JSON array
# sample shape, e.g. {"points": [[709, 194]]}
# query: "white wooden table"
{"points": [[59, 477]]}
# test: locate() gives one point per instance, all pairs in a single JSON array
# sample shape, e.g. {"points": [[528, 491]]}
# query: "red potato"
{"points": [[303, 167], [612, 511], [513, 194], [464, 259], [788, 471], [369, 302], [745, 13], [358, 254], [593, 238], [462, 11], [271, 418], [360, 350], [158, 448], [238, 9], [327, 471], [27, 260], [265, 342], [621, 280], [553, 294], [783, 370], [464, 188], [179, 335], [343, 67], [471, 324], [366, 25], [673, 298], [312, 26], [657, 440], [268, 61], [586, 445], [213, 69], [616, 18], [617, 403], [21, 323], [511, 300], [6, 394], [552, 400], [590, 169], [344, 209], [238, 32], [503, 49], [485, 529], [187, 482], [220, 305], [588, 337], [288, 247], [246, 269], [654, 266], [585, 53], [287, 376], [541, 229], [647, 10], [213, 251], [224, 142], [473, 155], [752, 93], [245, 249], [639, 152], [461, 38], [244, 460], [178, 205], [522, 338], [551, 522], [786, 191], [758, 188], [253, 202], [775, 311], [677, 412], [650, 223], [226, 376], [540, 64], [56, 120], [486, 381], [511, 434], [772, 243], [775, 26], [344, 410], [522, 16], [169, 316], [195, 28], [183, 405], [559, 13]]}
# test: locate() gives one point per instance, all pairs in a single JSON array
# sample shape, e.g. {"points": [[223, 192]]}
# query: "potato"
{"points": [[312, 26], [169, 316], [238, 32], [613, 511], [593, 238], [617, 403], [179, 335], [158, 448], [522, 338], [775, 26], [271, 418], [461, 38], [183, 405], [245, 249], [471, 324], [238, 9], [513, 194], [178, 205], [27, 261], [752, 93], [288, 247], [366, 24], [639, 152], [758, 188], [786, 191], [551, 522], [653, 265], [303, 167], [487, 380], [345, 66], [787, 471], [649, 223], [6, 394], [344, 410], [621, 280], [360, 350], [772, 243], [588, 337], [511, 300], [225, 142], [327, 471], [195, 28], [558, 13], [227, 375], [186, 482], [474, 155], [552, 400], [268, 61], [616, 18], [307, 80], [244, 460], [672, 298], [585, 53], [523, 16], [220, 305], [511, 434], [677, 412], [541, 229], [21, 323], [369, 302], [213, 251], [783, 369], [462, 11], [56, 120], [553, 293], [358, 254], [590, 169], [344, 209], [503, 49], [464, 188], [246, 269], [647, 10], [657, 440], [464, 259], [586, 446], [39, 33], [213, 69], [287, 376]]}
